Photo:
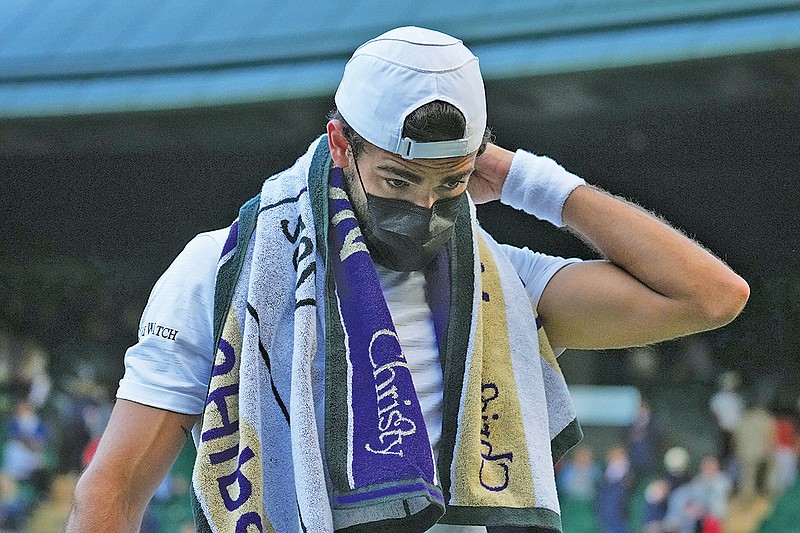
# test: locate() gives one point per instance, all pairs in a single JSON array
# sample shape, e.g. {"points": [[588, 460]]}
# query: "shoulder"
{"points": [[189, 280], [206, 245], [199, 256]]}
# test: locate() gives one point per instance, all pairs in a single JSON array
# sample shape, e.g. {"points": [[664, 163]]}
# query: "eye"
{"points": [[397, 183], [453, 184]]}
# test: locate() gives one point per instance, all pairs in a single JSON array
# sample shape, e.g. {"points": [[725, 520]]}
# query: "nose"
{"points": [[425, 200]]}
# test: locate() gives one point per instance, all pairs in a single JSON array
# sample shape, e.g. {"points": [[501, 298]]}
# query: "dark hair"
{"points": [[434, 121]]}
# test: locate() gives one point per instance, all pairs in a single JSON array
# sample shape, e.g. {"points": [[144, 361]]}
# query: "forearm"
{"points": [[656, 283], [709, 293]]}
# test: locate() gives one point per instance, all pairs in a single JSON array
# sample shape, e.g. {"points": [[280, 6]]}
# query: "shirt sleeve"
{"points": [[535, 269], [170, 365]]}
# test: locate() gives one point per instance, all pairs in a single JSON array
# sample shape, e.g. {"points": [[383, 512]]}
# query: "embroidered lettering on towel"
{"points": [[392, 425], [302, 256], [496, 477], [350, 245], [231, 467]]}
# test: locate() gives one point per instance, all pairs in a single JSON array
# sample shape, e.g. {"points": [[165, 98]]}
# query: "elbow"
{"points": [[84, 499], [100, 504], [90, 492], [723, 304]]}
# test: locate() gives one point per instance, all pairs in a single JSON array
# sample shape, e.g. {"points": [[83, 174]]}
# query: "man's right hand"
{"points": [[491, 169]]}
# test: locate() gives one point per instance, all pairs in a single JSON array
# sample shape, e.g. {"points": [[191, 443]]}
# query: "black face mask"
{"points": [[403, 236]]}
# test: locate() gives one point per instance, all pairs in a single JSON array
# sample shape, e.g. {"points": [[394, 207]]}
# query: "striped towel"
{"points": [[305, 336]]}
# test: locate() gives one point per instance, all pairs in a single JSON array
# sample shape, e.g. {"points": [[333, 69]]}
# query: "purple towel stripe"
{"points": [[230, 242], [390, 441]]}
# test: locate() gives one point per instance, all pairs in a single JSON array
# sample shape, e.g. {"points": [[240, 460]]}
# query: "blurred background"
{"points": [[126, 127]]}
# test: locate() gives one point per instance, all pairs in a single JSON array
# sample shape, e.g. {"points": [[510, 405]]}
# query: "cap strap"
{"points": [[410, 149]]}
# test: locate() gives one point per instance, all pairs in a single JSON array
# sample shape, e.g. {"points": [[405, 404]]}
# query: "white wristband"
{"points": [[539, 186]]}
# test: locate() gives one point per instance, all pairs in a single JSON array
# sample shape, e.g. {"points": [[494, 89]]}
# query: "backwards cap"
{"points": [[395, 73]]}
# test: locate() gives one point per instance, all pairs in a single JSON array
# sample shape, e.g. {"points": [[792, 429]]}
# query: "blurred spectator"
{"points": [[166, 490], [713, 488], [83, 412], [89, 451], [656, 496], [27, 435], [684, 510], [34, 373], [643, 438], [51, 515], [578, 478], [94, 418], [711, 524], [700, 505], [23, 369], [755, 451], [676, 464], [13, 506], [787, 446], [613, 494], [727, 405]]}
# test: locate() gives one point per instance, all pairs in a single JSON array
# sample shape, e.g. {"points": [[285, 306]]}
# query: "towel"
{"points": [[305, 336]]}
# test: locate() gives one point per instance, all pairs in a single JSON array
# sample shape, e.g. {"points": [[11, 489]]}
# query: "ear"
{"points": [[338, 144]]}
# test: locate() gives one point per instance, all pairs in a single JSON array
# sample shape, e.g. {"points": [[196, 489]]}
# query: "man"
{"points": [[360, 268]]}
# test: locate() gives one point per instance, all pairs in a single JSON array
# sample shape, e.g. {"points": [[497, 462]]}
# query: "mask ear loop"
{"points": [[364, 224], [358, 172]]}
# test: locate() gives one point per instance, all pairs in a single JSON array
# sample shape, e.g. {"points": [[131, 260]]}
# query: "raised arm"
{"points": [[656, 284], [137, 449]]}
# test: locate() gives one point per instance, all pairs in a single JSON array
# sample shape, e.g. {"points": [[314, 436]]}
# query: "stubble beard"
{"points": [[355, 191]]}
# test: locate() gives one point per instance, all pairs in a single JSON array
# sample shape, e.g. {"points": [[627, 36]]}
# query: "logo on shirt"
{"points": [[154, 328]]}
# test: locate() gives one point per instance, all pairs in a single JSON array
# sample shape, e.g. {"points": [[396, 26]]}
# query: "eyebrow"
{"points": [[416, 179]]}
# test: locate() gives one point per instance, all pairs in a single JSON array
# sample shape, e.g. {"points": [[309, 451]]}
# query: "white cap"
{"points": [[395, 73]]}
